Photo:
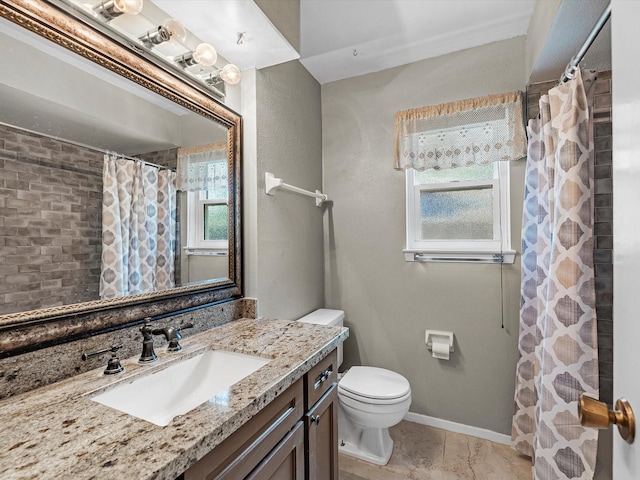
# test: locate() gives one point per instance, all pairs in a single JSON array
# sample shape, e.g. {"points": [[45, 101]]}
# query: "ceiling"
{"points": [[219, 22], [572, 23], [347, 38]]}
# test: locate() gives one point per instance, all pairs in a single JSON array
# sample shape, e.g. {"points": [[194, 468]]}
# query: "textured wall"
{"points": [[50, 227], [289, 226], [285, 16], [389, 302]]}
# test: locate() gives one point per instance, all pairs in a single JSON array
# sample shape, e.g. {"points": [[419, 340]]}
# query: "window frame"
{"points": [[496, 250], [196, 245]]}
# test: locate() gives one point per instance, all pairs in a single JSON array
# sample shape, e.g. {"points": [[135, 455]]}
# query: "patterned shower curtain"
{"points": [[558, 339], [138, 228]]}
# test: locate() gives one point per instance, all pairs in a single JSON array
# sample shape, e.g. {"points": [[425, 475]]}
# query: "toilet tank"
{"points": [[328, 317]]}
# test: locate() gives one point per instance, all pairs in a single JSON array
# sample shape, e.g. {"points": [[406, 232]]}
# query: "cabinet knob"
{"points": [[315, 419]]}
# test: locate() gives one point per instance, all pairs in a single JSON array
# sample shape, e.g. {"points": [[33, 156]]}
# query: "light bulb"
{"points": [[230, 74], [130, 7], [205, 54], [176, 30]]}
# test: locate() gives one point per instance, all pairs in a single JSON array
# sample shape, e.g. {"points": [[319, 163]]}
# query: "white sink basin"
{"points": [[182, 386]]}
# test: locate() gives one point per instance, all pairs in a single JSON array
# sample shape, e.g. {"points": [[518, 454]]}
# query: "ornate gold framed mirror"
{"points": [[53, 152]]}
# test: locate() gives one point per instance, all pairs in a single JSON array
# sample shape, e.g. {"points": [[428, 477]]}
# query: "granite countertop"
{"points": [[58, 432]]}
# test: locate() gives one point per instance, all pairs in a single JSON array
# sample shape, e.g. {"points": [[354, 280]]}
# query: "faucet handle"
{"points": [[175, 336], [113, 365]]}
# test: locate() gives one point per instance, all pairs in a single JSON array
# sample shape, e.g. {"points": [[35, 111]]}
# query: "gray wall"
{"points": [[285, 16], [388, 302], [289, 226]]}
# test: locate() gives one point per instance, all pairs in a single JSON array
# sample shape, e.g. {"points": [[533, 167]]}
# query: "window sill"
{"points": [[506, 256], [217, 252]]}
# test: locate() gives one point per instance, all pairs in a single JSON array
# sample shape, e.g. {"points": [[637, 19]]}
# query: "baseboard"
{"points": [[458, 428]]}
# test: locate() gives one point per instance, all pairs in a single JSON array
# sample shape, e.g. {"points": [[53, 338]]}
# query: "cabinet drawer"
{"points": [[239, 454], [320, 379]]}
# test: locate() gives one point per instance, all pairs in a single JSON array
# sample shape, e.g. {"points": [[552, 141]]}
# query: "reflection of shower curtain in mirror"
{"points": [[138, 228]]}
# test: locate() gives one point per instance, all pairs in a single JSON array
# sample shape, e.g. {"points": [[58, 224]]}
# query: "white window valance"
{"points": [[475, 131], [203, 168]]}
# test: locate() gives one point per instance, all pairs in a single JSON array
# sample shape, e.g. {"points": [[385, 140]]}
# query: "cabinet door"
{"points": [[285, 461], [322, 433]]}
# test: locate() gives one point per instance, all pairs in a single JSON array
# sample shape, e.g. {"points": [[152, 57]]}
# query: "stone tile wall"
{"points": [[603, 246], [50, 222]]}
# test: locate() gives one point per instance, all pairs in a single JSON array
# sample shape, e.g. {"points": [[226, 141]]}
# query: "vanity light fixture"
{"points": [[230, 74], [110, 9], [170, 30], [204, 54]]}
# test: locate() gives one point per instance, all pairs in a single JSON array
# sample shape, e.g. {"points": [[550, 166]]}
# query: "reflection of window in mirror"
{"points": [[208, 212]]}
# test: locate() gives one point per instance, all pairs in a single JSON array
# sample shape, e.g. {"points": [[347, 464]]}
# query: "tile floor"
{"points": [[427, 453]]}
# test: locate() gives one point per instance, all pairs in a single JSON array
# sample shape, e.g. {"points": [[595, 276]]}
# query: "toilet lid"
{"points": [[374, 382]]}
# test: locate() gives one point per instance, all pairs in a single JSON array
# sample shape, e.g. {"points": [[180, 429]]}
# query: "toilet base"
{"points": [[369, 444]]}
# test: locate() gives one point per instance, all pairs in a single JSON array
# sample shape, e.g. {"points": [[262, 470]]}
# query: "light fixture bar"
{"points": [[155, 37], [204, 54]]}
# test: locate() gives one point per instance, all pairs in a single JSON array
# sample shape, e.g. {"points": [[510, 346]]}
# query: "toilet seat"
{"points": [[346, 394], [374, 385]]}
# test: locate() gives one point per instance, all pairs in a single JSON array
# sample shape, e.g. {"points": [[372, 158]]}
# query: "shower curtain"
{"points": [[138, 228], [558, 339]]}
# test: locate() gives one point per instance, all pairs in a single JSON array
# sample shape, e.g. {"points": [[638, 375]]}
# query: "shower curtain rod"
{"points": [[572, 66], [88, 147], [127, 157]]}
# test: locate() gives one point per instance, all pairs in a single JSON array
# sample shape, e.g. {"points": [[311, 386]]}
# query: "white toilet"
{"points": [[371, 400]]}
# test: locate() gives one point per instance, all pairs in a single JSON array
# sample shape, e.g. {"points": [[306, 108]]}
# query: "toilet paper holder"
{"points": [[439, 336]]}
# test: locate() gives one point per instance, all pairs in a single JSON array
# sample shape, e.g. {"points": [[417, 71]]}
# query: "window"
{"points": [[208, 212], [459, 214]]}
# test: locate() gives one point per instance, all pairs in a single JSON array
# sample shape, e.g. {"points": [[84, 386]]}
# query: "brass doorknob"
{"points": [[596, 414]]}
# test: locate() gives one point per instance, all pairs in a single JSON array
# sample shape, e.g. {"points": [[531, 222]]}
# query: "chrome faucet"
{"points": [[171, 334]]}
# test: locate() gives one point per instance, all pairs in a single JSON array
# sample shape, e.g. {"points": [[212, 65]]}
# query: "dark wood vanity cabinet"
{"points": [[294, 437]]}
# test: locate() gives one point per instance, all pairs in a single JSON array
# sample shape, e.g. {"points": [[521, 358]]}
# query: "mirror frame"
{"points": [[33, 329]]}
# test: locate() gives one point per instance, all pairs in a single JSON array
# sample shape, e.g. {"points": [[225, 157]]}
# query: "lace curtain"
{"points": [[475, 131], [203, 168]]}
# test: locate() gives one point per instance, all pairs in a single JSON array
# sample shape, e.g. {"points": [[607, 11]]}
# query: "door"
{"points": [[625, 56]]}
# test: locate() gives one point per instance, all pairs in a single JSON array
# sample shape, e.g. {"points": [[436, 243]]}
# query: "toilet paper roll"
{"points": [[440, 350]]}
